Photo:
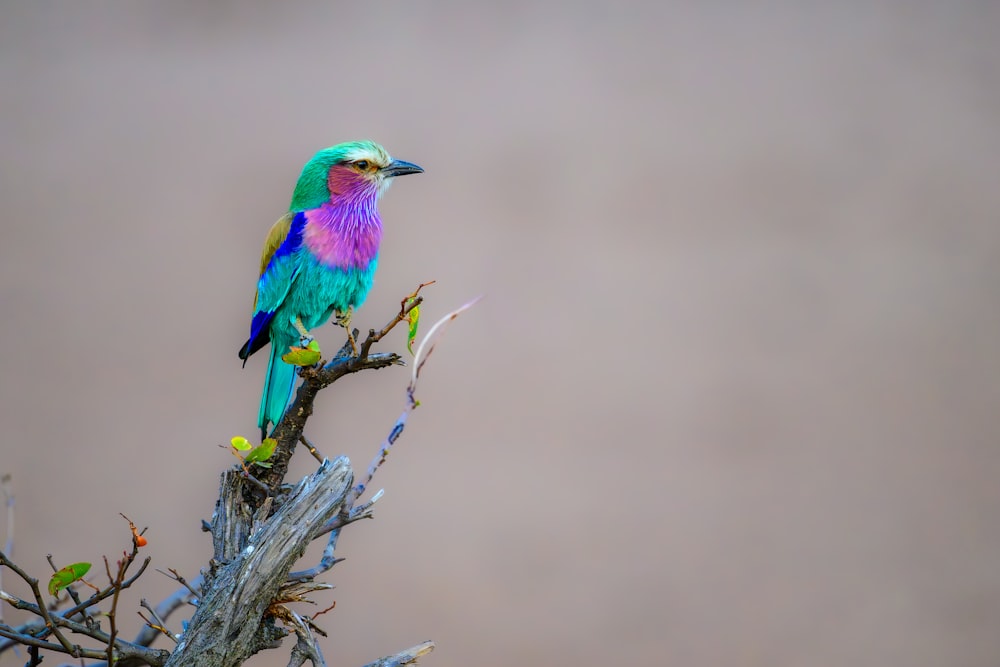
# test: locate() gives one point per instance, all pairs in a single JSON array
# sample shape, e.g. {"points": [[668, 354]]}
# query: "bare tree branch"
{"points": [[407, 657], [226, 628], [289, 430], [306, 647], [260, 528]]}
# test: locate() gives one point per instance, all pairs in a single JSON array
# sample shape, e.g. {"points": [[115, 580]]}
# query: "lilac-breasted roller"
{"points": [[319, 258]]}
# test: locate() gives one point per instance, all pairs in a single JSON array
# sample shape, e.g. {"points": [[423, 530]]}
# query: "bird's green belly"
{"points": [[320, 290]]}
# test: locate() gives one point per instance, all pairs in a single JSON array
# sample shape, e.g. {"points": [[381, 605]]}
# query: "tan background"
{"points": [[731, 398]]}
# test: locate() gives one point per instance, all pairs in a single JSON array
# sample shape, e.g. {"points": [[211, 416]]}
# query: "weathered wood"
{"points": [[231, 521], [407, 657], [260, 528], [230, 624]]}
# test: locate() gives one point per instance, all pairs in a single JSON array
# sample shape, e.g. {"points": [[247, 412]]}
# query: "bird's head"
{"points": [[358, 171]]}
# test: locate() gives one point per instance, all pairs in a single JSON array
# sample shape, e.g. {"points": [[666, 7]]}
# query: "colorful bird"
{"points": [[319, 258]]}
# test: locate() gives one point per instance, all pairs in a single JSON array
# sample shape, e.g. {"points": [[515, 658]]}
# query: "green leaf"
{"points": [[414, 318], [240, 443], [303, 356], [67, 576], [262, 452]]}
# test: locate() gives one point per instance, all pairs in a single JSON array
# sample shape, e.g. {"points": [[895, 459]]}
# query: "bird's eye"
{"points": [[362, 165]]}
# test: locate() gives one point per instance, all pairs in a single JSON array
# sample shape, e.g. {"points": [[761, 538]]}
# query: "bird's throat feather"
{"points": [[343, 236]]}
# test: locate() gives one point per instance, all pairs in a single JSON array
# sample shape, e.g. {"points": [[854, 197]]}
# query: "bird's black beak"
{"points": [[400, 168]]}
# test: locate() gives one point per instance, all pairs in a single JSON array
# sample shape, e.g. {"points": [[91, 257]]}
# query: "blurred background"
{"points": [[732, 395]]}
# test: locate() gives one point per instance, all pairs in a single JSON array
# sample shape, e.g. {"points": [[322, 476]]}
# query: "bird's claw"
{"points": [[343, 319]]}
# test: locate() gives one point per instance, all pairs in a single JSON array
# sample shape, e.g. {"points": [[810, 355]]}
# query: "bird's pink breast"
{"points": [[345, 237]]}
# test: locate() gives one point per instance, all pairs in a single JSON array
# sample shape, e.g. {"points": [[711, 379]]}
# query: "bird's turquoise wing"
{"points": [[279, 267]]}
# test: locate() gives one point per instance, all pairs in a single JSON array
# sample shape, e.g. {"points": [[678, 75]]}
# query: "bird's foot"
{"points": [[344, 320], [304, 336]]}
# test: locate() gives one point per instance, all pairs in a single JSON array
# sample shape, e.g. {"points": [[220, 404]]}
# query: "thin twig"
{"points": [[407, 657], [36, 627], [405, 306], [364, 510], [169, 605], [72, 626], [42, 609], [28, 640], [431, 339], [323, 611], [424, 351], [312, 449], [326, 561], [158, 625], [256, 482], [183, 582], [8, 494], [107, 592], [116, 583], [306, 648]]}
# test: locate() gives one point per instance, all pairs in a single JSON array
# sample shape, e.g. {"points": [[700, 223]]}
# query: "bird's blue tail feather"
{"points": [[278, 385]]}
